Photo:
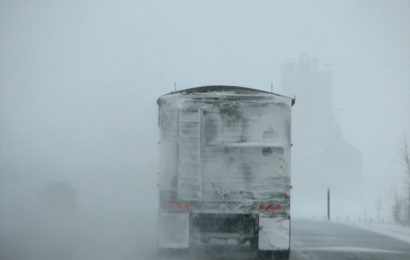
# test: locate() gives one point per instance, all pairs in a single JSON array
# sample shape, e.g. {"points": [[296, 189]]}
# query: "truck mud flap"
{"points": [[173, 230], [274, 233]]}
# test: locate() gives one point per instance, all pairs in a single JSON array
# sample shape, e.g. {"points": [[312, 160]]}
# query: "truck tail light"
{"points": [[269, 208], [278, 208], [173, 205], [178, 206]]}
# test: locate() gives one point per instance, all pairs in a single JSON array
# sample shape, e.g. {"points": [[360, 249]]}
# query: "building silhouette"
{"points": [[322, 158]]}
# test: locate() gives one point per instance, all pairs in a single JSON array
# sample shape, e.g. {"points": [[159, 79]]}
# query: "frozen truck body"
{"points": [[225, 168]]}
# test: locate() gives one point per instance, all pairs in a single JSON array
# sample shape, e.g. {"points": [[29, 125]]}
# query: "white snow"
{"points": [[349, 249], [389, 229], [226, 145]]}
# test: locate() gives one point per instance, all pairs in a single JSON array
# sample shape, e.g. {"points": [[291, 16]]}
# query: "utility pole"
{"points": [[328, 204], [379, 208]]}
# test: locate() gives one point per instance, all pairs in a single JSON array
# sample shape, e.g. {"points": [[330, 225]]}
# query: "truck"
{"points": [[224, 171]]}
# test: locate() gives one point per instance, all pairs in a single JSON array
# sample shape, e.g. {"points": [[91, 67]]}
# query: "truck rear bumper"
{"points": [[180, 230]]}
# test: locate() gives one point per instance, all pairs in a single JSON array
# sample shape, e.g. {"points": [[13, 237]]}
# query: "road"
{"points": [[319, 241], [124, 238]]}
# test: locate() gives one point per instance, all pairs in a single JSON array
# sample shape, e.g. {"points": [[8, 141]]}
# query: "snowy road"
{"points": [[315, 240], [320, 241]]}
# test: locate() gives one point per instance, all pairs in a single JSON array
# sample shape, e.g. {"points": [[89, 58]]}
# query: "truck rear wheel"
{"points": [[265, 255], [273, 255], [166, 253], [281, 255]]}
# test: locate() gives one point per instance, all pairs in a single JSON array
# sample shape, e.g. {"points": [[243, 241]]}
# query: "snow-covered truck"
{"points": [[224, 173]]}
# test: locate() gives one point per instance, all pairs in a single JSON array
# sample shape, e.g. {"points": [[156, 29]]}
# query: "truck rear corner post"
{"points": [[225, 169]]}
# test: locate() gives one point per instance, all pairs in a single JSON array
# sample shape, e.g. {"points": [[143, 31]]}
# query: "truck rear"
{"points": [[225, 169]]}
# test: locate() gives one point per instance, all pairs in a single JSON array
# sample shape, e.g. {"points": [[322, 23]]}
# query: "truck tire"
{"points": [[273, 255], [166, 253], [254, 244], [265, 255], [281, 255]]}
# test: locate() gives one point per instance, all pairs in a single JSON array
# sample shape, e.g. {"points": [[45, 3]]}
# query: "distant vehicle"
{"points": [[225, 169]]}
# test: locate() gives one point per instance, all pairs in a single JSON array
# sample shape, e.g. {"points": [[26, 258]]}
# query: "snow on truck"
{"points": [[225, 169]]}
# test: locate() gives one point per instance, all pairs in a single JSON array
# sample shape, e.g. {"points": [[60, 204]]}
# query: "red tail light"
{"points": [[278, 208], [173, 205], [177, 206], [269, 208]]}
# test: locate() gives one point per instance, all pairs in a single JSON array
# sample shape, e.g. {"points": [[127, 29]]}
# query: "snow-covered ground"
{"points": [[389, 229], [396, 231]]}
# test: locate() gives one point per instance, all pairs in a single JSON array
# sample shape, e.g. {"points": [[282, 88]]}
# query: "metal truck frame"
{"points": [[225, 169]]}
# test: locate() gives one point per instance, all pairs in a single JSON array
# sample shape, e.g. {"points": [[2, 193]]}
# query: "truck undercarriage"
{"points": [[267, 234]]}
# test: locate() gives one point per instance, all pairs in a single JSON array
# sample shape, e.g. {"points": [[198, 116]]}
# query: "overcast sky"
{"points": [[79, 81]]}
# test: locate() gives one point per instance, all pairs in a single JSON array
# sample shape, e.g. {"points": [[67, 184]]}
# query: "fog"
{"points": [[79, 82]]}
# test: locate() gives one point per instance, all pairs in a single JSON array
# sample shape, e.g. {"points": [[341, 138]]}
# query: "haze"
{"points": [[78, 86]]}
